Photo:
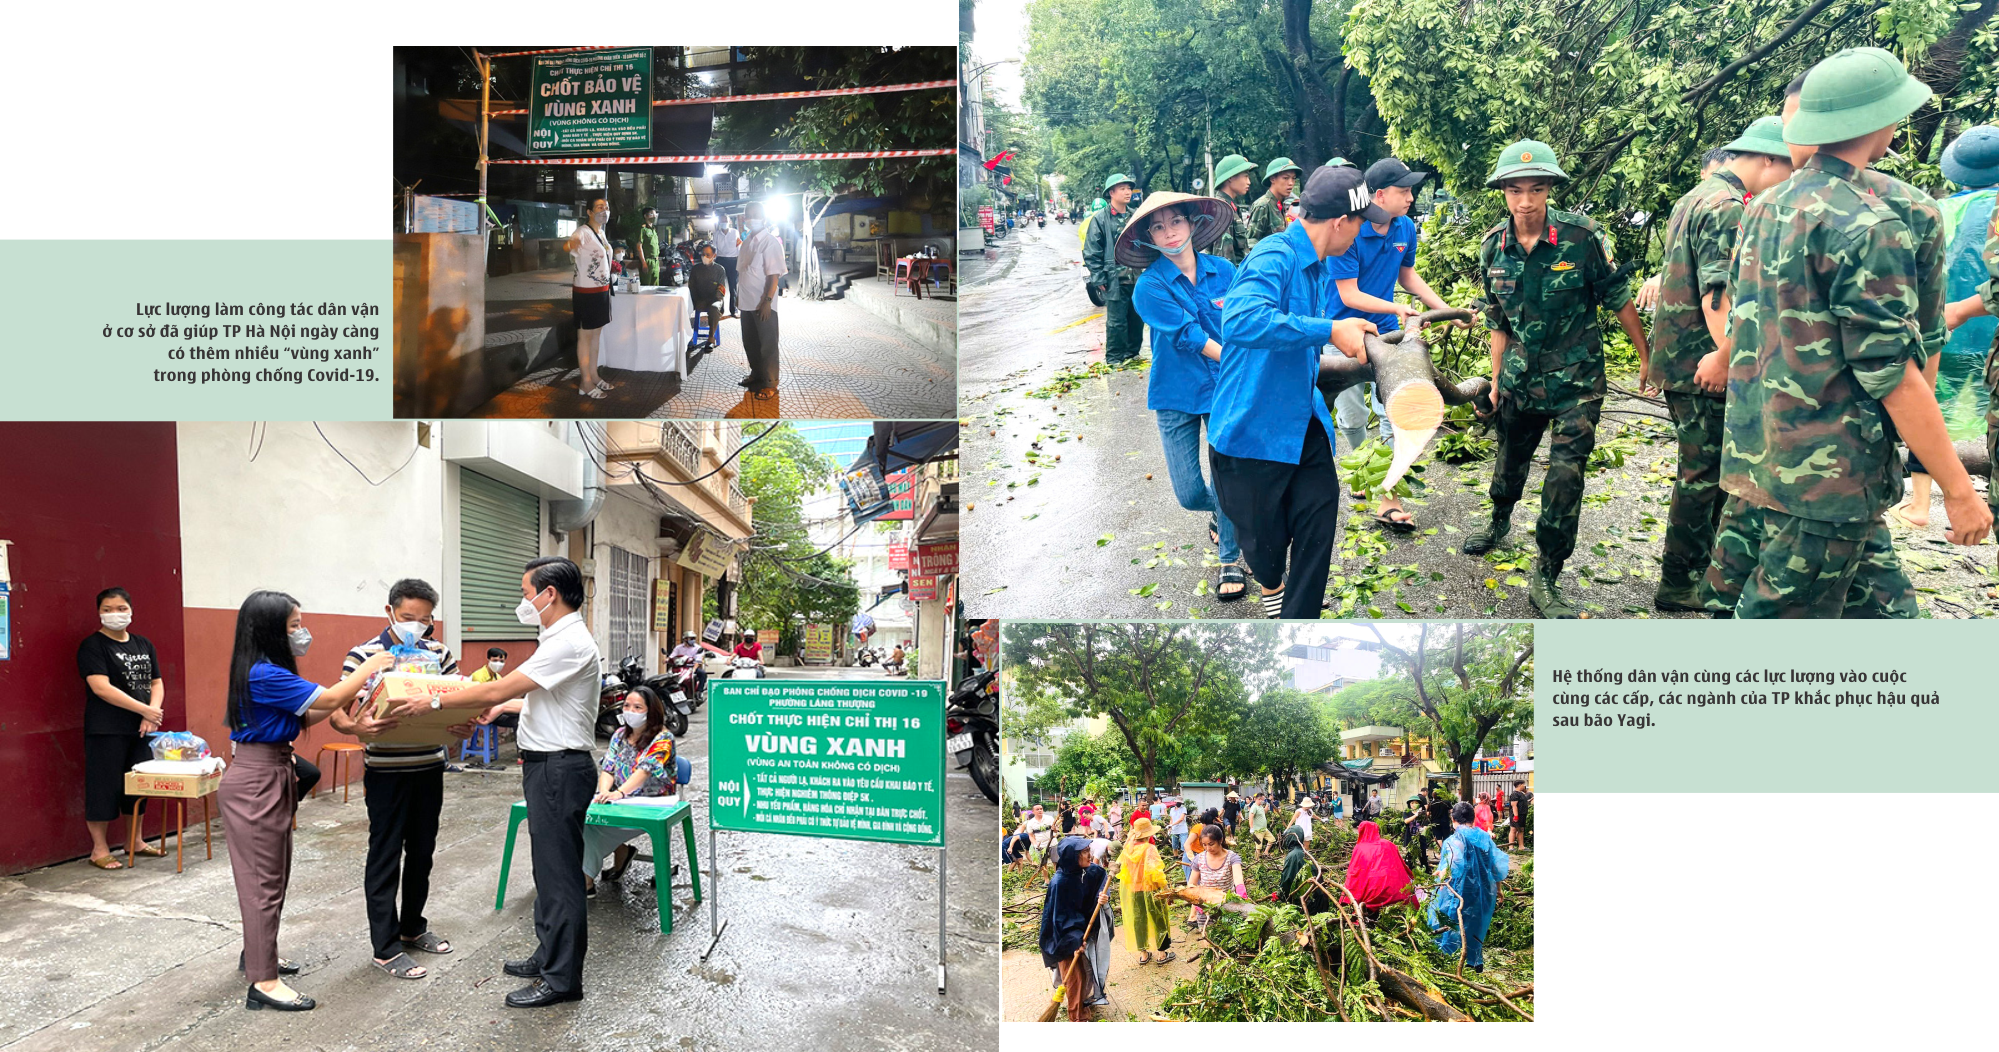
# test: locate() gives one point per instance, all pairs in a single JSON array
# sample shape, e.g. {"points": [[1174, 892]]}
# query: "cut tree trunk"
{"points": [[1410, 991], [1406, 381]]}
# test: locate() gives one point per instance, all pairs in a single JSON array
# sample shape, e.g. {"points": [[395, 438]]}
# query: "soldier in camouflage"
{"points": [[1545, 273], [1232, 178], [1267, 216], [1690, 352], [1123, 331], [1824, 370]]}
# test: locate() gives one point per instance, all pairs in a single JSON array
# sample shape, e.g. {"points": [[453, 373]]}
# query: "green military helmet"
{"points": [[1856, 91], [1764, 135], [1523, 159], [1341, 162], [1231, 166], [1278, 166], [1119, 177]]}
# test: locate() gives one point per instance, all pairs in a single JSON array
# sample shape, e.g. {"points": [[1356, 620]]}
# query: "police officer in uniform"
{"points": [[1233, 175], [646, 244], [1123, 331], [1545, 273], [1267, 216]]}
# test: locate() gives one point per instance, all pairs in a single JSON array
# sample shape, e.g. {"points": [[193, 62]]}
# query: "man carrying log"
{"points": [[1824, 371], [1690, 345], [1269, 432], [1545, 273]]}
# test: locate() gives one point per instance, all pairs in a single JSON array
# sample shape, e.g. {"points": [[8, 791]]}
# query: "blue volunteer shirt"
{"points": [[1376, 261], [1184, 316], [278, 697], [1275, 320]]}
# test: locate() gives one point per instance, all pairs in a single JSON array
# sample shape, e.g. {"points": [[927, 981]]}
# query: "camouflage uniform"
{"points": [[1700, 238], [1823, 326], [1266, 217], [1235, 244], [1551, 373], [1123, 331]]}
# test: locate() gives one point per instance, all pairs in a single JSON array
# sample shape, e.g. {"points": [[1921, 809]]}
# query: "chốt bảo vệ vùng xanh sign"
{"points": [[591, 102]]}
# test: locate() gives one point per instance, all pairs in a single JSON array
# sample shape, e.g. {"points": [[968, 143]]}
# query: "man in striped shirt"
{"points": [[405, 793]]}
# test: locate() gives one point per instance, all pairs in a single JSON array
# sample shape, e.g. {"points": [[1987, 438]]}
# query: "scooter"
{"points": [[630, 679], [864, 658], [971, 721], [685, 676], [1040, 221], [744, 668]]}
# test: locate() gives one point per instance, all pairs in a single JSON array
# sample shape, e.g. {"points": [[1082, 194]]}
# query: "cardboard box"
{"points": [[187, 786], [428, 727]]}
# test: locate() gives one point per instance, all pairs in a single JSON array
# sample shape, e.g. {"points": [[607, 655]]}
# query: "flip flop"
{"points": [[107, 862], [1902, 520], [152, 851], [1232, 574], [1405, 524], [402, 967], [428, 942]]}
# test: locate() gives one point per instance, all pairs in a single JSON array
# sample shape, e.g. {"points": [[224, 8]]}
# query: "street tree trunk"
{"points": [[1315, 104]]}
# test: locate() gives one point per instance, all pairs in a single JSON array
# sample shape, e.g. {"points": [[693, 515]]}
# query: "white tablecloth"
{"points": [[649, 330]]}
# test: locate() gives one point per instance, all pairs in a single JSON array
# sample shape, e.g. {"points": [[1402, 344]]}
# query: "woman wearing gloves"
{"points": [[1180, 297]]}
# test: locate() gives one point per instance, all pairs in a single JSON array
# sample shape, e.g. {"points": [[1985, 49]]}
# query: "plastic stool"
{"points": [[484, 743], [341, 751]]}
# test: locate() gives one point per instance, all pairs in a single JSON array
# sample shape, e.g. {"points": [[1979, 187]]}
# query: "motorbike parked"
{"points": [[864, 658], [971, 723], [631, 678]]}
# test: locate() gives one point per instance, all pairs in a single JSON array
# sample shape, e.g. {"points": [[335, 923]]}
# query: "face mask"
{"points": [[115, 622], [601, 215], [527, 612], [407, 631], [496, 665], [301, 639], [755, 225], [634, 720]]}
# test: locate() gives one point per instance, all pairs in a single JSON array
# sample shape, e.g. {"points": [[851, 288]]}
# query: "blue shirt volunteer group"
{"points": [[1273, 315]]}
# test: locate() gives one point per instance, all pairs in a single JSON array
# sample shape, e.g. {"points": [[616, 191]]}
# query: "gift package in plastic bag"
{"points": [[179, 745]]}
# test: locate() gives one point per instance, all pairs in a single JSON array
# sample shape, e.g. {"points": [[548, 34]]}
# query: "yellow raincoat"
{"points": [[1140, 873]]}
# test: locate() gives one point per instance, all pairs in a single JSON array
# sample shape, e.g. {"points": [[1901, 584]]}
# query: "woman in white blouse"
{"points": [[591, 293]]}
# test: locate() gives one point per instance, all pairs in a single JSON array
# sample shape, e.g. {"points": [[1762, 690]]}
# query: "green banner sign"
{"points": [[853, 759], [591, 102]]}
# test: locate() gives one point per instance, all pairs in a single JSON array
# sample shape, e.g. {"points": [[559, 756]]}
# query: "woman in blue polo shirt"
{"points": [[269, 703], [1180, 297]]}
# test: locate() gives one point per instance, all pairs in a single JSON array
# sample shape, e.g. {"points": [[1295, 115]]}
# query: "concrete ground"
{"points": [[1077, 516], [837, 361], [830, 945]]}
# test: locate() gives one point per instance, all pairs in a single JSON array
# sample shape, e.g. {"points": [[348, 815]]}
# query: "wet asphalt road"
{"points": [[1091, 535], [831, 944]]}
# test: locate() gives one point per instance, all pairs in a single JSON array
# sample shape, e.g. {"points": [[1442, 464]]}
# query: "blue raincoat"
{"points": [[1472, 867], [1071, 899]]}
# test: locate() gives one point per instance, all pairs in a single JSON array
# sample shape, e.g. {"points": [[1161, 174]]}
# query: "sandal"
{"points": [[107, 862], [594, 392], [1387, 519], [1273, 604], [765, 394], [1214, 531], [152, 850], [402, 967], [1165, 956], [428, 942], [604, 385], [1232, 575]]}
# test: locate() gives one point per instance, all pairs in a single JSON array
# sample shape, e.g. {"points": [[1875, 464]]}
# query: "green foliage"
{"points": [[1463, 447], [1474, 683], [1282, 733], [786, 581], [1363, 582], [1364, 469], [1029, 715]]}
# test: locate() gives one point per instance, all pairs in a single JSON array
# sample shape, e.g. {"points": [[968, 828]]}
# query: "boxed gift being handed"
{"points": [[426, 726]]}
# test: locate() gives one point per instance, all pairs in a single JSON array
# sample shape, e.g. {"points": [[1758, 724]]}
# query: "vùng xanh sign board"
{"points": [[852, 759], [591, 102]]}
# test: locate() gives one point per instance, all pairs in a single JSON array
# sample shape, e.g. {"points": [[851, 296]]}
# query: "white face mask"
{"points": [[634, 720], [527, 612], [301, 640], [496, 665], [755, 225], [407, 631], [115, 622], [601, 215]]}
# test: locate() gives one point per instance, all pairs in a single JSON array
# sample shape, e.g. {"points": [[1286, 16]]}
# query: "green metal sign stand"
{"points": [[841, 758], [591, 102]]}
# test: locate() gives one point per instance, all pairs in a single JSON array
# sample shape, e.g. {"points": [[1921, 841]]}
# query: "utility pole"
{"points": [[1207, 142]]}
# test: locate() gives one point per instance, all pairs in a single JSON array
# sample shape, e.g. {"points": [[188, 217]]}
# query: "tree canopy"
{"points": [[1474, 684], [787, 581]]}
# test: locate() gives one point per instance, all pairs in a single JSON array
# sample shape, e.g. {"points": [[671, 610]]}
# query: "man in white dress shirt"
{"points": [[758, 270]]}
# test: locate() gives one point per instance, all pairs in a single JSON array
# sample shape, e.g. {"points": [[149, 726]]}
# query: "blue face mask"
{"points": [[1195, 225]]}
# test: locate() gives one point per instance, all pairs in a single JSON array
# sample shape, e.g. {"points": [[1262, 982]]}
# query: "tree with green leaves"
{"points": [[1384, 702], [1159, 683], [1282, 733], [1476, 685], [787, 580]]}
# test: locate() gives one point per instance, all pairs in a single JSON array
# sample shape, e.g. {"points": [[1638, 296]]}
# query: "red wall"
{"points": [[88, 507]]}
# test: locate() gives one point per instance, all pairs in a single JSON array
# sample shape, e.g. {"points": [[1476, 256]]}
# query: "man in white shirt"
{"points": [[555, 692], [758, 271], [1303, 819], [1039, 829], [1177, 825], [727, 245]]}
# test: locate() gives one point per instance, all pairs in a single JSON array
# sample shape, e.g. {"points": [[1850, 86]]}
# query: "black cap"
{"points": [[1335, 192], [1390, 172]]}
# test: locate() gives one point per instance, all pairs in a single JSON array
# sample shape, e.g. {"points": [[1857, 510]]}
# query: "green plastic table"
{"points": [[657, 822]]}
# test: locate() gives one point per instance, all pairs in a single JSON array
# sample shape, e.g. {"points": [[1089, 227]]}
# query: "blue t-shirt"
{"points": [[1376, 260], [1277, 316], [278, 697], [1184, 316]]}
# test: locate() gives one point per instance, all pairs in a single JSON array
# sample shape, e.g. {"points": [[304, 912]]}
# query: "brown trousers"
{"points": [[258, 795]]}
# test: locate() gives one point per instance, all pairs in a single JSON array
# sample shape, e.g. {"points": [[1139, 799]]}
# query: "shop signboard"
{"points": [[898, 556], [940, 557], [662, 605], [591, 102], [818, 642], [707, 554], [986, 218], [902, 492], [922, 588], [767, 638]]}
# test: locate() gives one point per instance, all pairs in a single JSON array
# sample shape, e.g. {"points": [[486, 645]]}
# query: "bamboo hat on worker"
{"points": [[1526, 159], [1208, 218], [1765, 135], [1858, 91]]}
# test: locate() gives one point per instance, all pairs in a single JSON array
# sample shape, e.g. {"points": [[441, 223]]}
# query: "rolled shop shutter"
{"points": [[499, 533]]}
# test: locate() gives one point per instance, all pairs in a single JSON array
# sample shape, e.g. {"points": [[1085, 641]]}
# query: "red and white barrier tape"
{"points": [[557, 51], [725, 158], [922, 85]]}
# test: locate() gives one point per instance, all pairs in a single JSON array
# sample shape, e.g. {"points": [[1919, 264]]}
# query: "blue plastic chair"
{"points": [[683, 770], [484, 743]]}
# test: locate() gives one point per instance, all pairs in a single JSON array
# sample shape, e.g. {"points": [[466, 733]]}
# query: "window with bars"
{"points": [[629, 618]]}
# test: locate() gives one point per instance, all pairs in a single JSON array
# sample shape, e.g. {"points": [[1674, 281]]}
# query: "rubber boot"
{"points": [[1489, 538], [1547, 596]]}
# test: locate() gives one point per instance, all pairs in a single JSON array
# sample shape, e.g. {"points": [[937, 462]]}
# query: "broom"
{"points": [[1055, 1002]]}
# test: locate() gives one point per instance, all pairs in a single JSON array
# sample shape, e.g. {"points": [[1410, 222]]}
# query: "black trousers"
{"points": [[308, 775], [729, 268], [1281, 509], [402, 838], [713, 312], [558, 787], [760, 346]]}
